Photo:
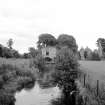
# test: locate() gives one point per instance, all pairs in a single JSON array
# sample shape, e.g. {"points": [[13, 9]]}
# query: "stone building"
{"points": [[49, 53]]}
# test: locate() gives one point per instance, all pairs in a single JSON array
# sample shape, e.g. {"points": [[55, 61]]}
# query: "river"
{"points": [[37, 96]]}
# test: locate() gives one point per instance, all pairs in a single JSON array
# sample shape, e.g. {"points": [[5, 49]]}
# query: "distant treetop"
{"points": [[64, 40], [67, 40], [46, 39], [10, 43]]}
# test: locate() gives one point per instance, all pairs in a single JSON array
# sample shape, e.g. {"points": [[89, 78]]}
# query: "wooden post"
{"points": [[97, 87], [84, 79]]}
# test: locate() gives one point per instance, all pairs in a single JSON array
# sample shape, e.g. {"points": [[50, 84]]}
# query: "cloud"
{"points": [[25, 20]]}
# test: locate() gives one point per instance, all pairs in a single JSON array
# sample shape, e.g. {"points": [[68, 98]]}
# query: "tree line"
{"points": [[88, 54], [96, 54], [9, 52], [46, 39]]}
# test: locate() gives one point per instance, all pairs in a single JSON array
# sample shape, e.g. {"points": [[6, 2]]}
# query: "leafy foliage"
{"points": [[8, 53], [45, 40], [65, 74], [67, 40], [10, 43], [33, 52], [39, 62], [88, 54], [66, 63], [95, 56], [12, 79], [6, 98], [101, 43]]}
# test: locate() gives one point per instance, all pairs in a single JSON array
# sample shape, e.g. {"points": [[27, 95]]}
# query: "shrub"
{"points": [[39, 62], [12, 79], [66, 73]]}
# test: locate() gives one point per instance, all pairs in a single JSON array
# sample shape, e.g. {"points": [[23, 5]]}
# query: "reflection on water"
{"points": [[37, 96]]}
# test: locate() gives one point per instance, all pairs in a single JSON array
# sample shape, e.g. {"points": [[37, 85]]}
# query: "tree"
{"points": [[7, 53], [10, 43], [88, 53], [82, 53], [101, 41], [66, 73], [101, 45], [26, 55], [45, 40], [66, 69], [1, 50], [33, 52], [15, 53], [66, 62], [95, 55], [67, 40]]}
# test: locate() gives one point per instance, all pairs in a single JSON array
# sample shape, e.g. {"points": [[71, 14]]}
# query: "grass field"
{"points": [[97, 67], [15, 62], [94, 70]]}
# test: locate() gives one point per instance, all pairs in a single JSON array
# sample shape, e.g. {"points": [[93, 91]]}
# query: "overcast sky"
{"points": [[25, 20]]}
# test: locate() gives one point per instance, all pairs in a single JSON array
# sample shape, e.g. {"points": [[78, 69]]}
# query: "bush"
{"points": [[39, 62], [65, 75], [6, 98]]}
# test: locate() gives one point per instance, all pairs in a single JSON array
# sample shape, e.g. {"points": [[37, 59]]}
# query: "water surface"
{"points": [[37, 96]]}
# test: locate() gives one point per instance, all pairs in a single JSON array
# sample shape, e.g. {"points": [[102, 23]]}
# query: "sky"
{"points": [[25, 20]]}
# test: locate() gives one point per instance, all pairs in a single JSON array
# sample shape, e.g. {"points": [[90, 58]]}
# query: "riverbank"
{"points": [[19, 74], [14, 77]]}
